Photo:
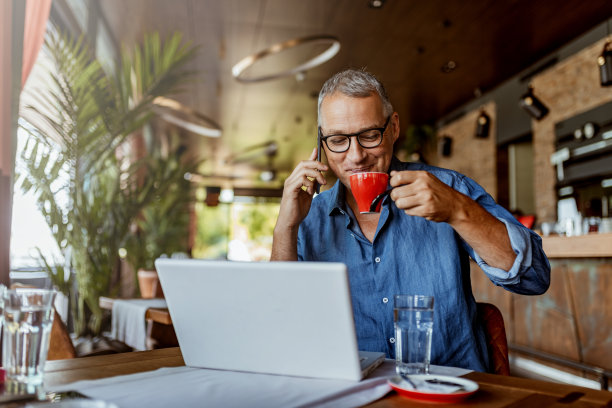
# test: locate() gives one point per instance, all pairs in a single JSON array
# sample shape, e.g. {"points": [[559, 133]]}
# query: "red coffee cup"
{"points": [[365, 188]]}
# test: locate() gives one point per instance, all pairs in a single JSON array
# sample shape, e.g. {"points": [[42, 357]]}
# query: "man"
{"points": [[420, 242]]}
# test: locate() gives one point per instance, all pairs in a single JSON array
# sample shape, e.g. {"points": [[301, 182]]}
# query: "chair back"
{"points": [[495, 333], [60, 343]]}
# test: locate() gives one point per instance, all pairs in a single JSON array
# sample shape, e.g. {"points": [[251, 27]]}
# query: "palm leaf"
{"points": [[85, 190]]}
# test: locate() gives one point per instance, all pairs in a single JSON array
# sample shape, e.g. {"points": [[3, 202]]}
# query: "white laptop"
{"points": [[288, 318]]}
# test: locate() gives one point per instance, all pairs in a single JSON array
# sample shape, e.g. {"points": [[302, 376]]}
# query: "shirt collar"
{"points": [[337, 201], [395, 164]]}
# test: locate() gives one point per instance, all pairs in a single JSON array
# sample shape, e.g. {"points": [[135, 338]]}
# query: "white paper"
{"points": [[196, 387]]}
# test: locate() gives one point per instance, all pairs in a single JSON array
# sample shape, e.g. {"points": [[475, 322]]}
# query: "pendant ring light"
{"points": [[334, 46], [180, 115]]}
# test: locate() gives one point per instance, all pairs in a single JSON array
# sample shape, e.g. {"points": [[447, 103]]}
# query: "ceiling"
{"points": [[405, 43]]}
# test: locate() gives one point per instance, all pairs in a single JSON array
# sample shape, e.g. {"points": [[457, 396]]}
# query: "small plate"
{"points": [[403, 388]]}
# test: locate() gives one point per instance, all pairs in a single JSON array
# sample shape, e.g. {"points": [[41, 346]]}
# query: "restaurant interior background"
{"points": [[456, 73]]}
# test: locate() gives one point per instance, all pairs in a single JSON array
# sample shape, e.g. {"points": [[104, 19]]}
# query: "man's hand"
{"points": [[298, 191], [295, 204], [422, 194]]}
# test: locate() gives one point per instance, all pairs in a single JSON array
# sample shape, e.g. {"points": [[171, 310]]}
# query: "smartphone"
{"points": [[317, 185]]}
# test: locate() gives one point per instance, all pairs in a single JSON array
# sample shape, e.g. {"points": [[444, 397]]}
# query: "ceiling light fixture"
{"points": [[532, 105], [446, 146], [483, 124], [174, 112], [226, 196], [267, 175], [605, 60], [605, 64], [449, 67], [376, 4], [239, 69]]}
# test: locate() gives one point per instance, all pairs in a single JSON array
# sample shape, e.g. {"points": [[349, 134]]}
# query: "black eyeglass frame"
{"points": [[356, 135]]}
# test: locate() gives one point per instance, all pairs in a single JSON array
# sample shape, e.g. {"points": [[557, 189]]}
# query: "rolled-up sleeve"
{"points": [[530, 272]]}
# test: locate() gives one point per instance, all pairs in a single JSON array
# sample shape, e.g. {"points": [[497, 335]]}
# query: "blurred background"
{"points": [[217, 102]]}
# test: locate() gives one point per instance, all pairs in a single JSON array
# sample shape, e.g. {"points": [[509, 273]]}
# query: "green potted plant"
{"points": [[79, 162], [162, 227]]}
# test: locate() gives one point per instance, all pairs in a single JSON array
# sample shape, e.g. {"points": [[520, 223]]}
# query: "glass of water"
{"points": [[28, 316], [413, 317]]}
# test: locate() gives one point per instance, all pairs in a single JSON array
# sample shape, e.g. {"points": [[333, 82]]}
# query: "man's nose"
{"points": [[355, 153]]}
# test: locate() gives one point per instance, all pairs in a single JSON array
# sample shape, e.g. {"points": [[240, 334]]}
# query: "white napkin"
{"points": [[423, 386], [128, 320]]}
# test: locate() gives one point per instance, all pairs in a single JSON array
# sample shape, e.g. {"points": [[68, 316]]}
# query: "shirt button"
{"points": [[377, 259], [392, 340], [385, 300]]}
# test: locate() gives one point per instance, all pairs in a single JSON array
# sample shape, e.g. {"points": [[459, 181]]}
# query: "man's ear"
{"points": [[395, 126]]}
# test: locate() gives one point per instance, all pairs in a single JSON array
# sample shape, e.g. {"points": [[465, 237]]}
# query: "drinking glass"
{"points": [[413, 316], [28, 316]]}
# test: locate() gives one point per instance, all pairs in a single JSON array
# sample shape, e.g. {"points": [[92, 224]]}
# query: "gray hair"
{"points": [[357, 84]]}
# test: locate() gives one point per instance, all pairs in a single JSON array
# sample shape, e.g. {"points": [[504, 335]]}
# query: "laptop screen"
{"points": [[291, 318]]}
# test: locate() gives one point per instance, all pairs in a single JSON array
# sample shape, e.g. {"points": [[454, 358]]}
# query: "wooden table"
{"points": [[495, 390]]}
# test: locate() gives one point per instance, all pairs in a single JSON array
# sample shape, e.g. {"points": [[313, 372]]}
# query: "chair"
{"points": [[60, 343], [495, 334]]}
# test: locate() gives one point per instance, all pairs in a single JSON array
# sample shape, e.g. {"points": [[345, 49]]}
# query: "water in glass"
{"points": [[413, 331], [26, 332]]}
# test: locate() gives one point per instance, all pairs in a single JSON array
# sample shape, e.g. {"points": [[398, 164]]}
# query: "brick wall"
{"points": [[568, 88], [474, 157]]}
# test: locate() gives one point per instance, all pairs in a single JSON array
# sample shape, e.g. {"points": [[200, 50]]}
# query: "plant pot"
{"points": [[148, 281]]}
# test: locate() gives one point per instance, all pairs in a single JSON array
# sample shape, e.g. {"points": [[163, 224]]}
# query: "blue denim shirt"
{"points": [[411, 255]]}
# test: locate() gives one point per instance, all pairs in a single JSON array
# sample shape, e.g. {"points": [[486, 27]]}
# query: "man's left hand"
{"points": [[422, 194]]}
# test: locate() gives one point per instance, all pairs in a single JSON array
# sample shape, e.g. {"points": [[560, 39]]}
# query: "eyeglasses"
{"points": [[368, 139]]}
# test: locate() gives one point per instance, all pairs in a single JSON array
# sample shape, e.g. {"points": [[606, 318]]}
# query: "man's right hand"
{"points": [[295, 204], [298, 191]]}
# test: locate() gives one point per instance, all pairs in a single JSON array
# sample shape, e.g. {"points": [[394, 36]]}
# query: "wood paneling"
{"points": [[590, 288], [573, 319]]}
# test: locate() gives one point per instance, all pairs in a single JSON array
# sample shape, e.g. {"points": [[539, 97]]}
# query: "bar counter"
{"points": [[581, 246], [573, 319]]}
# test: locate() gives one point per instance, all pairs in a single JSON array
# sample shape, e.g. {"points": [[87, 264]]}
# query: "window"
{"points": [[239, 231], [29, 230]]}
